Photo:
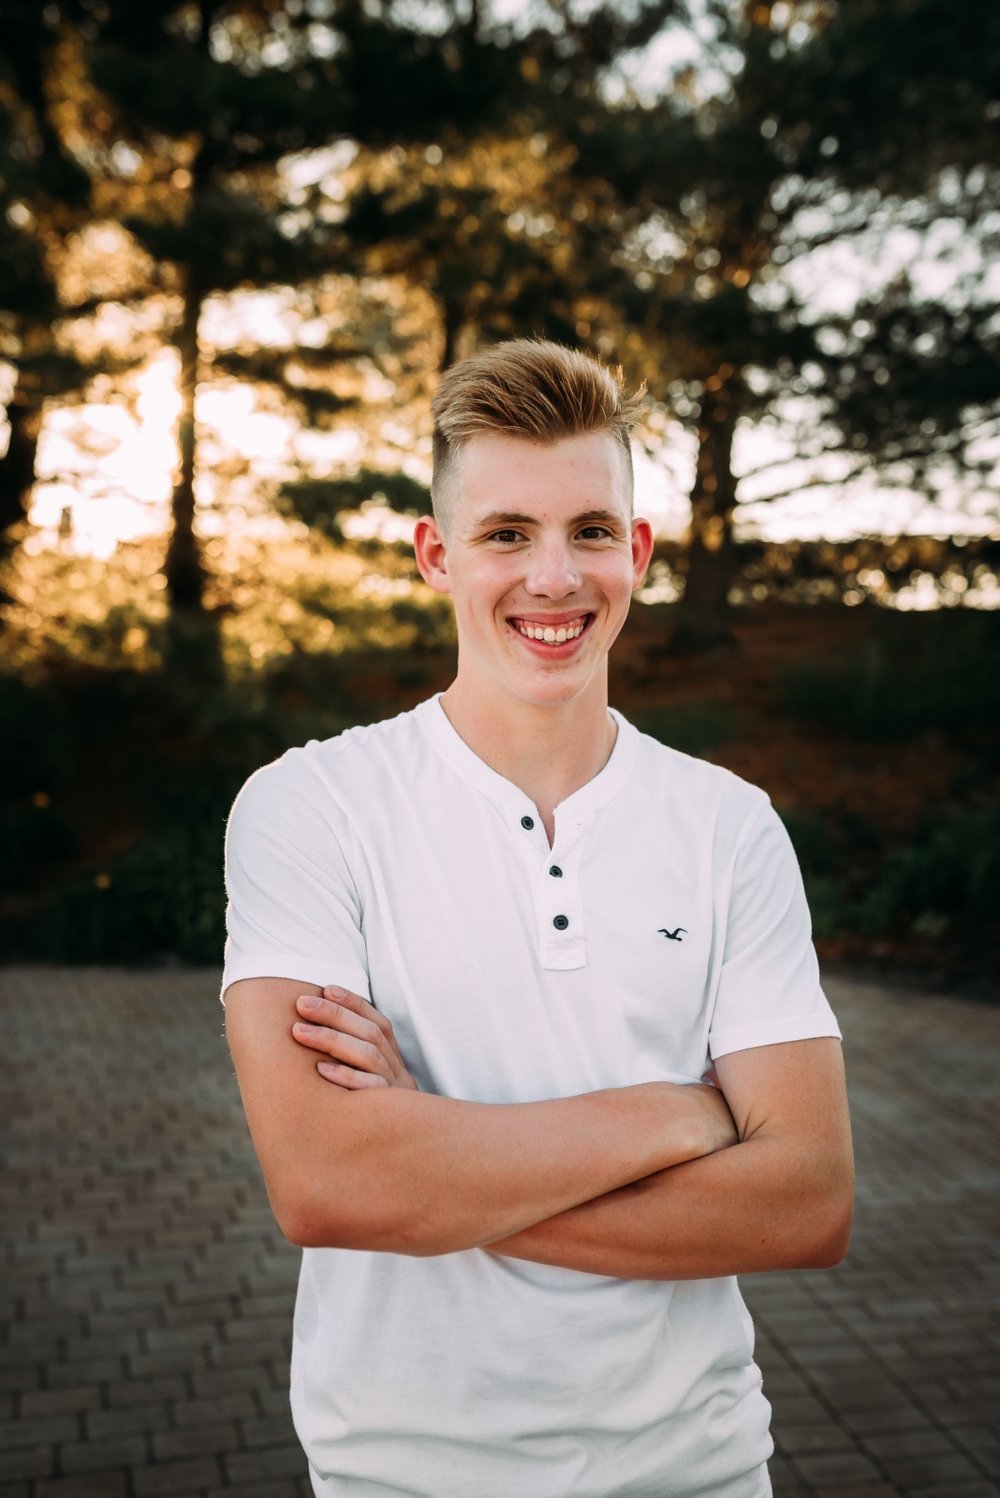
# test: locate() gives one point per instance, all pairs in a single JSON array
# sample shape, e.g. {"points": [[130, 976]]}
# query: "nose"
{"points": [[553, 572]]}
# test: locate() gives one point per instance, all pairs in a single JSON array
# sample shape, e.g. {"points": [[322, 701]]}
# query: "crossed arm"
{"points": [[649, 1182]]}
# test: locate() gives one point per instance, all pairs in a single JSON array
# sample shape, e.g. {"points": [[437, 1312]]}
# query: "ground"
{"points": [[146, 1304]]}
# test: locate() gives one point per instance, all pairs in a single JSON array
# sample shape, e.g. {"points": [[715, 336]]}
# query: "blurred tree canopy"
{"points": [[413, 182]]}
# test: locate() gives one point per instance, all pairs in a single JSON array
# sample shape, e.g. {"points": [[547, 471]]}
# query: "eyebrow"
{"points": [[497, 518]]}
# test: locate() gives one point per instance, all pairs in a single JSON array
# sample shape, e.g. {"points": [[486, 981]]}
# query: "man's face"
{"points": [[541, 557]]}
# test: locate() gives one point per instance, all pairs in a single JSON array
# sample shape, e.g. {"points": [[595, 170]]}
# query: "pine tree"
{"points": [[43, 196], [835, 119]]}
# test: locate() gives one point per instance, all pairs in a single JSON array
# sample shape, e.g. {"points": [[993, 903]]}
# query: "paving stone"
{"points": [[944, 1468], [42, 1432], [174, 1478], [265, 1490], [28, 1461], [797, 1439], [196, 1440], [146, 1391], [259, 1466], [831, 1468], [105, 1484], [149, 1294], [59, 1401], [120, 1451], [215, 1411]]}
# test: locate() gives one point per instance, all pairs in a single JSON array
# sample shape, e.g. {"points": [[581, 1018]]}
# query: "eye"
{"points": [[594, 533], [506, 537]]}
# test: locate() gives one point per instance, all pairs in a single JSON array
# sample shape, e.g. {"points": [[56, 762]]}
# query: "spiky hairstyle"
{"points": [[528, 388]]}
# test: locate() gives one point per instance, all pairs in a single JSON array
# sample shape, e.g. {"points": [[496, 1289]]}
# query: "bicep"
{"points": [[793, 1093], [277, 1078]]}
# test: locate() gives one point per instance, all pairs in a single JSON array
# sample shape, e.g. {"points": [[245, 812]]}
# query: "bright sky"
{"points": [[112, 471]]}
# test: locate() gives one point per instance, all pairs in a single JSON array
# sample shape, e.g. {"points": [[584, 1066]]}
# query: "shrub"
{"points": [[937, 672], [692, 727], [949, 871], [165, 898]]}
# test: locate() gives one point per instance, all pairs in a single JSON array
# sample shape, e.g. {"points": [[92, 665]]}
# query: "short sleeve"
{"points": [[769, 989], [293, 908]]}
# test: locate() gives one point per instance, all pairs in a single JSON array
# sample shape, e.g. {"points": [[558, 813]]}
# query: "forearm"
{"points": [[406, 1172], [757, 1206]]}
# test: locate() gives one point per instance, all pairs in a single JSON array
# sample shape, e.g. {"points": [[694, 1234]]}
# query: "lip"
{"points": [[555, 620], [541, 648]]}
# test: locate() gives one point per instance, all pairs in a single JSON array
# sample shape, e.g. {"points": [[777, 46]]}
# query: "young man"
{"points": [[577, 1071]]}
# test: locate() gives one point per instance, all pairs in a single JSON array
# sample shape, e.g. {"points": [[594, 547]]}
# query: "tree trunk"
{"points": [[184, 570], [17, 467], [703, 615], [193, 655], [452, 325], [193, 644]]}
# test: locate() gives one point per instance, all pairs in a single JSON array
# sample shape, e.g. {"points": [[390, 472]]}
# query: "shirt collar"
{"points": [[508, 797]]}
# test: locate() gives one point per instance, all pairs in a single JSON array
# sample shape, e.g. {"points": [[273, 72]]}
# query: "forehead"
{"points": [[498, 472]]}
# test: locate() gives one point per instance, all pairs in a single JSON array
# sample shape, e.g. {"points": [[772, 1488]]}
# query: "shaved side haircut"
{"points": [[532, 389]]}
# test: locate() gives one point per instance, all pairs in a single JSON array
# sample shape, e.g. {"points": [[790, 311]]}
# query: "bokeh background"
{"points": [[242, 238]]}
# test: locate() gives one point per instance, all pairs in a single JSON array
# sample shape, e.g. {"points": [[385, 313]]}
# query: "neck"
{"points": [[547, 751]]}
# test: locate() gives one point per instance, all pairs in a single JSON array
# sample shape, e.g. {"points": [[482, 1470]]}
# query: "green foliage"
{"points": [[322, 503], [692, 727], [830, 845], [948, 873], [930, 673], [164, 899], [155, 768], [36, 753], [33, 834]]}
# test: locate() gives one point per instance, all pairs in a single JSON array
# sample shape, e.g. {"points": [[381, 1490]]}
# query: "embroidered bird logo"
{"points": [[672, 935]]}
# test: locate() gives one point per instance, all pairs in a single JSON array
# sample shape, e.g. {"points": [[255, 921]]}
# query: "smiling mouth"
{"points": [[552, 634]]}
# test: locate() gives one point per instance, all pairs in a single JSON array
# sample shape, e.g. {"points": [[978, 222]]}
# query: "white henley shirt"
{"points": [[665, 927]]}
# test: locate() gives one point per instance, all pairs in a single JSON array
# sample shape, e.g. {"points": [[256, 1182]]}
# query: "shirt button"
{"points": [[561, 922], [556, 871], [527, 823]]}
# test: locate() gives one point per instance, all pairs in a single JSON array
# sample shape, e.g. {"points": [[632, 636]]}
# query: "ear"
{"points": [[431, 553], [642, 550]]}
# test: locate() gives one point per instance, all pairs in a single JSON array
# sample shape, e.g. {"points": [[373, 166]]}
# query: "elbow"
{"points": [[307, 1217], [831, 1235], [300, 1221], [311, 1222]]}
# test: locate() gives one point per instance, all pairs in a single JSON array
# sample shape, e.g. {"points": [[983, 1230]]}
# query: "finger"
{"points": [[353, 1015], [338, 1016], [348, 1077], [362, 1054], [327, 1017], [360, 1006]]}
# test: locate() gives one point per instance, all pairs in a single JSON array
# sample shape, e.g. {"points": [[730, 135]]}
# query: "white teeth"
{"points": [[548, 633]]}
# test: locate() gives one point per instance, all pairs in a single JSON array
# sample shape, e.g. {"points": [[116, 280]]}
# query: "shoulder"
{"points": [[700, 795], [323, 775]]}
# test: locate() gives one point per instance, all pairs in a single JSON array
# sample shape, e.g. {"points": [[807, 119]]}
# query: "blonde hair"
{"points": [[527, 388]]}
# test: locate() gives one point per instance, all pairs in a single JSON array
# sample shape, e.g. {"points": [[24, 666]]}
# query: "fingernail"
{"points": [[305, 1029], [338, 993], [309, 1001]]}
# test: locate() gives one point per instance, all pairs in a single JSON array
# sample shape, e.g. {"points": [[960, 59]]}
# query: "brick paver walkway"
{"points": [[146, 1295]]}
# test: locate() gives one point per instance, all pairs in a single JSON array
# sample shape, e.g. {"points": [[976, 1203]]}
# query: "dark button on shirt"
{"points": [[556, 871], [527, 823], [561, 922]]}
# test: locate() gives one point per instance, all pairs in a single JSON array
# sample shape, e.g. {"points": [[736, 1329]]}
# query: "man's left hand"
{"points": [[356, 1041]]}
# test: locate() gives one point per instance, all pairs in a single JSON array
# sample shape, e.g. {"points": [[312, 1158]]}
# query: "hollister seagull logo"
{"points": [[672, 935]]}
